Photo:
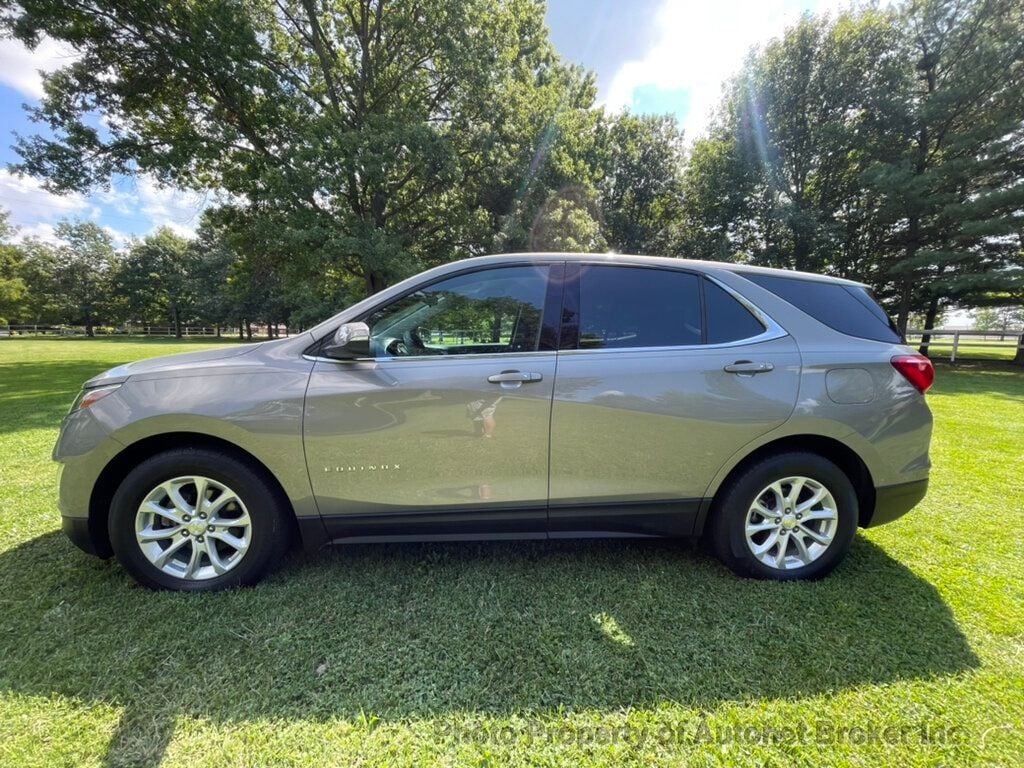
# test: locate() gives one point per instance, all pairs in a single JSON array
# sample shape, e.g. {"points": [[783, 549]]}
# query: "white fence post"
{"points": [[956, 343]]}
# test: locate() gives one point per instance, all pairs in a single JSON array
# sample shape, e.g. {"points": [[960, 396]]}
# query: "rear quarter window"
{"points": [[727, 319], [849, 309]]}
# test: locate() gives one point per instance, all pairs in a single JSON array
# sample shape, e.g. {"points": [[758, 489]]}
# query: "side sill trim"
{"points": [[584, 519]]}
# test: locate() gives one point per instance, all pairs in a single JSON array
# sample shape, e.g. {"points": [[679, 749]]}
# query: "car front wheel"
{"points": [[789, 516], [196, 520]]}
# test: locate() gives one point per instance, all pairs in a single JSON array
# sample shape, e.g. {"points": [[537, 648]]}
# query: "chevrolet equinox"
{"points": [[524, 396]]}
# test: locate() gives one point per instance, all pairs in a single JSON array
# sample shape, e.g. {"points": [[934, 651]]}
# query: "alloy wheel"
{"points": [[193, 528], [791, 523]]}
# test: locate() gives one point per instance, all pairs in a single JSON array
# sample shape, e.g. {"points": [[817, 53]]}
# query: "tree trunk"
{"points": [[1018, 359], [375, 282], [241, 330], [218, 330], [801, 251], [929, 322], [176, 314], [89, 331], [903, 313], [248, 330]]}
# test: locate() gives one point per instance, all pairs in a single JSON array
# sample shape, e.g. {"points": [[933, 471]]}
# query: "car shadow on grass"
{"points": [[402, 632]]}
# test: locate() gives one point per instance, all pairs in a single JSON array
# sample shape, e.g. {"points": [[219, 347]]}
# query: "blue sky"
{"points": [[650, 56]]}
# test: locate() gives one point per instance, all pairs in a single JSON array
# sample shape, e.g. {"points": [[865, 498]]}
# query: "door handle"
{"points": [[507, 377], [748, 367]]}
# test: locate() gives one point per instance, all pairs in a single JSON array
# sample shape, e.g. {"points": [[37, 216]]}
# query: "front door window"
{"points": [[491, 312]]}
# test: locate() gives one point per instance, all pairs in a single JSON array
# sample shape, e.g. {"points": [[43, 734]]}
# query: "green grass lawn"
{"points": [[596, 652]]}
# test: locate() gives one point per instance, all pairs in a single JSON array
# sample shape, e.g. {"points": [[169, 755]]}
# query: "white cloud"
{"points": [[30, 204], [19, 66], [149, 206], [41, 231], [178, 209], [702, 44]]}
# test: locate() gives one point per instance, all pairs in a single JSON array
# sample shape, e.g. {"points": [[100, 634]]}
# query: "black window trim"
{"points": [[555, 282], [570, 334]]}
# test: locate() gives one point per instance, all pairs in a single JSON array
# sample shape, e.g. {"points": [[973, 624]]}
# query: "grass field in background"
{"points": [[529, 653], [970, 349]]}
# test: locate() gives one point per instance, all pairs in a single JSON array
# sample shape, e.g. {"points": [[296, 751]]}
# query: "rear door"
{"points": [[662, 376], [445, 430]]}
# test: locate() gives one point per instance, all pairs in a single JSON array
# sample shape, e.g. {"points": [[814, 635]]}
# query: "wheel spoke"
{"points": [[149, 533], [795, 488], [767, 544], [232, 541], [801, 547], [218, 504], [193, 560], [780, 556], [170, 514], [201, 485], [819, 494], [173, 491], [817, 537], [819, 514], [753, 528], [215, 559], [164, 557], [230, 522]]}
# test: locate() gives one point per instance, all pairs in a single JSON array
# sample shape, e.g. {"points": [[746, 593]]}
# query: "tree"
{"points": [[156, 278], [83, 265], [12, 283], [715, 217], [952, 196], [360, 137], [777, 181], [569, 222], [641, 186], [211, 261]]}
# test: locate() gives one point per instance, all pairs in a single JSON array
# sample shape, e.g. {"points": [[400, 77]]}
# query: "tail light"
{"points": [[917, 369]]}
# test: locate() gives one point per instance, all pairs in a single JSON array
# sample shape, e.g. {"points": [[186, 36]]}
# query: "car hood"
{"points": [[185, 362]]}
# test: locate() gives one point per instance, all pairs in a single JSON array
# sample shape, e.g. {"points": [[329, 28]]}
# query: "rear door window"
{"points": [[638, 307], [849, 309]]}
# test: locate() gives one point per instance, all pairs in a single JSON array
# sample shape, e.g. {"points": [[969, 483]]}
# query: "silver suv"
{"points": [[526, 396]]}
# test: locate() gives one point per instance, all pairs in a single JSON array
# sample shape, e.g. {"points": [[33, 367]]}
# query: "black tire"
{"points": [[729, 515], [269, 528]]}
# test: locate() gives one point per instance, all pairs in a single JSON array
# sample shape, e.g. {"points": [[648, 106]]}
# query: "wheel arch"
{"points": [[109, 479], [840, 454]]}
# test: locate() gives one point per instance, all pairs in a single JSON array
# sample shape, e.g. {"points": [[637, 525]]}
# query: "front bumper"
{"points": [[77, 529], [894, 501]]}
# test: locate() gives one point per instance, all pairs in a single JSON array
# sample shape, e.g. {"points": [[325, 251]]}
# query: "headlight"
{"points": [[89, 397]]}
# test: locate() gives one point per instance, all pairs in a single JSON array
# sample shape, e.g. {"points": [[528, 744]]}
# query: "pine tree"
{"points": [[952, 198]]}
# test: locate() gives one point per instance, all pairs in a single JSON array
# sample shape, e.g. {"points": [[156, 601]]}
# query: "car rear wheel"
{"points": [[789, 516], [196, 520]]}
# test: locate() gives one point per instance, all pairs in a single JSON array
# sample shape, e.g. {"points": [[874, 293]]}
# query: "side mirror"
{"points": [[350, 341]]}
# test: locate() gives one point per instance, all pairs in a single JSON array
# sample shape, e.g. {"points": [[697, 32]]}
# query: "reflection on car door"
{"points": [[449, 435]]}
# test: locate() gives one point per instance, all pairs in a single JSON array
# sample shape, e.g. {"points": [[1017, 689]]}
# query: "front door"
{"points": [[445, 430]]}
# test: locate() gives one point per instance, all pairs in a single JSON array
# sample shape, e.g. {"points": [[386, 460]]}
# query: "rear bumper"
{"points": [[894, 501]]}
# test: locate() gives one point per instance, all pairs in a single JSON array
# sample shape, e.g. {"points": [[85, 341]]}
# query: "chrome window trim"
{"points": [[772, 331], [466, 356]]}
